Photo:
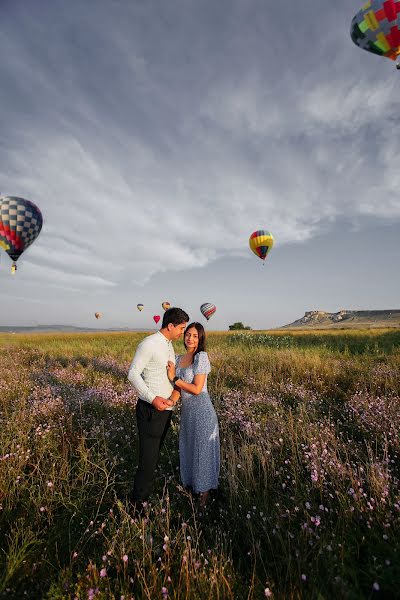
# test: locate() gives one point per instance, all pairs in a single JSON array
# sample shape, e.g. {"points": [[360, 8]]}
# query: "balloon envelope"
{"points": [[375, 28], [261, 242], [207, 310], [98, 315], [140, 307], [166, 305], [20, 223], [156, 318]]}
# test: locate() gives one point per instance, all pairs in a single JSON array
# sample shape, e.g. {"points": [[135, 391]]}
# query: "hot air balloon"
{"points": [[156, 318], [140, 307], [98, 315], [261, 242], [207, 310], [375, 28], [166, 305], [20, 224]]}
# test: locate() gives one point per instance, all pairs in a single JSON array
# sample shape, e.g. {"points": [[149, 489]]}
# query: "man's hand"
{"points": [[161, 403]]}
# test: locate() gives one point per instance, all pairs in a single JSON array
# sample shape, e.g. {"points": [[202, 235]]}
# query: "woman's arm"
{"points": [[175, 395], [193, 388]]}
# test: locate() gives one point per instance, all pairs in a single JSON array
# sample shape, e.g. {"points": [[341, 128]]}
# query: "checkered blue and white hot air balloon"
{"points": [[375, 28], [20, 223], [207, 310]]}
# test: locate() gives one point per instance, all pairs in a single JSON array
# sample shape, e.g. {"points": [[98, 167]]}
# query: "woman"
{"points": [[199, 435]]}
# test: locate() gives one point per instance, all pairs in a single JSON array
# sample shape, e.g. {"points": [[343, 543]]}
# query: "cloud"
{"points": [[148, 153]]}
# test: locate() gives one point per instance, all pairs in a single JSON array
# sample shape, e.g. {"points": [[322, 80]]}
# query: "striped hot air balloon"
{"points": [[261, 242], [375, 28], [20, 223], [140, 307], [207, 310]]}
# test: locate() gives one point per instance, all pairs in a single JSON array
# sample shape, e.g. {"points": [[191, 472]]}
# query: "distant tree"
{"points": [[238, 325]]}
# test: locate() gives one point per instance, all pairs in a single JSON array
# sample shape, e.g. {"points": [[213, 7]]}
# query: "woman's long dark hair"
{"points": [[201, 347]]}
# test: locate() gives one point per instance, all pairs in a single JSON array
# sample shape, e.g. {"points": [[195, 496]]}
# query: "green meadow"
{"points": [[309, 497]]}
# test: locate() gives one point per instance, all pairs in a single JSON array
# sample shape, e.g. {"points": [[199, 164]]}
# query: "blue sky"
{"points": [[156, 136]]}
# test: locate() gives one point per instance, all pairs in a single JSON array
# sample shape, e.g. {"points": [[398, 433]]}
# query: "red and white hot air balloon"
{"points": [[207, 310]]}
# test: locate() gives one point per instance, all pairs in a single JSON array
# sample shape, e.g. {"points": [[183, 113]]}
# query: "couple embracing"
{"points": [[161, 380]]}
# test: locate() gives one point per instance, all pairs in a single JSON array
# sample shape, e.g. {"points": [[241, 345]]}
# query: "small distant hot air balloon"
{"points": [[375, 28], [207, 310], [20, 223], [98, 315], [261, 242], [140, 307], [166, 305], [156, 318]]}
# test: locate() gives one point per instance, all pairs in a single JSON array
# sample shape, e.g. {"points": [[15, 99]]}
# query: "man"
{"points": [[148, 375]]}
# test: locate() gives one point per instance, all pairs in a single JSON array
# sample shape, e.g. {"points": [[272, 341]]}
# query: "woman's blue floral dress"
{"points": [[199, 448]]}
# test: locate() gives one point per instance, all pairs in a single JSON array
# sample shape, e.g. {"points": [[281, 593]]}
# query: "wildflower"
{"points": [[125, 558], [75, 555], [50, 484], [267, 592], [303, 577], [308, 505], [103, 572]]}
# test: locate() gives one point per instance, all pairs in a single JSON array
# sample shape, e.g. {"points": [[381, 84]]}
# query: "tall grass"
{"points": [[309, 500]]}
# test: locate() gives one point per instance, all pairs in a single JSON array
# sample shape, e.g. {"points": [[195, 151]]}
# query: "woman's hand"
{"points": [[171, 371]]}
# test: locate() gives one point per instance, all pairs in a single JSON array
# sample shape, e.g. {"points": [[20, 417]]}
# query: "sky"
{"points": [[157, 136]]}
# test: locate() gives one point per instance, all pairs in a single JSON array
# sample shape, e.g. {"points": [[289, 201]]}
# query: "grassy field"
{"points": [[309, 501]]}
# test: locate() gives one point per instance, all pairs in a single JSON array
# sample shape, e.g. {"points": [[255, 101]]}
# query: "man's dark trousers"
{"points": [[152, 427]]}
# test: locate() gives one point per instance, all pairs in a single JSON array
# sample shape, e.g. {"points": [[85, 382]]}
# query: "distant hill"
{"points": [[319, 319], [61, 329]]}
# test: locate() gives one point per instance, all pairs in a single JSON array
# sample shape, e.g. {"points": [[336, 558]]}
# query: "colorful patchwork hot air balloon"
{"points": [[98, 315], [207, 310], [140, 307], [261, 242], [156, 318], [166, 305], [20, 223], [375, 28]]}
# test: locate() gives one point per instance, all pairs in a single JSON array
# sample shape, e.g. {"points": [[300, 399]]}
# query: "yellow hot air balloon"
{"points": [[98, 315], [140, 307], [166, 305], [261, 242]]}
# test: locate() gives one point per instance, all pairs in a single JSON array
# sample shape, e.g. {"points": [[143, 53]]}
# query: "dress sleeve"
{"points": [[201, 364]]}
